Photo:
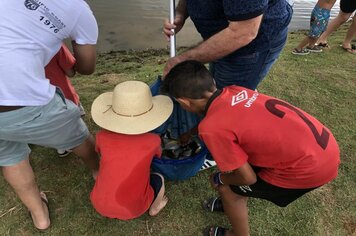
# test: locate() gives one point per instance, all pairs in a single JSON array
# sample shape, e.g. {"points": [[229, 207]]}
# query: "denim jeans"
{"points": [[248, 70]]}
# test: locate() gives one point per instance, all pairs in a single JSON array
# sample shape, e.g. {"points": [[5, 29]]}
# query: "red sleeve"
{"points": [[66, 60], [225, 149]]}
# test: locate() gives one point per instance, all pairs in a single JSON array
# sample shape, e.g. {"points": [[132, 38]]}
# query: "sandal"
{"points": [[315, 48], [323, 45], [45, 201], [351, 49], [300, 52], [213, 205], [214, 231]]}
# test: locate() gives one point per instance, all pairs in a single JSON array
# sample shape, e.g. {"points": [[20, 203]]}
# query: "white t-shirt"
{"points": [[31, 33]]}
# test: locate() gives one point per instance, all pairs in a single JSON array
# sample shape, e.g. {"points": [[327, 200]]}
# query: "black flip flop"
{"points": [[213, 205], [214, 231]]}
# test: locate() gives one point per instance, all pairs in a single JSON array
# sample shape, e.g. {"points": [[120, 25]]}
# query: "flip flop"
{"points": [[351, 49], [45, 201], [213, 205], [214, 231], [323, 45]]}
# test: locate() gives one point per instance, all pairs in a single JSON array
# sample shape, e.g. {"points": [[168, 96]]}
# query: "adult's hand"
{"points": [[170, 64], [177, 26], [238, 34]]}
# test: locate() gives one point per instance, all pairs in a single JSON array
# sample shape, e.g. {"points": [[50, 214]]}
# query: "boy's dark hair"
{"points": [[189, 79]]}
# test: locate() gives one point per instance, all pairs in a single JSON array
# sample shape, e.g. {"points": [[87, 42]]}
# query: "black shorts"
{"points": [[261, 189], [348, 6]]}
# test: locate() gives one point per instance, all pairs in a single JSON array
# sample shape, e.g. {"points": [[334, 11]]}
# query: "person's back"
{"points": [[122, 187], [31, 34], [291, 148]]}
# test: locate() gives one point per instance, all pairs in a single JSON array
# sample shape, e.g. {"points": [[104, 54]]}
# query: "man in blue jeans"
{"points": [[242, 39]]}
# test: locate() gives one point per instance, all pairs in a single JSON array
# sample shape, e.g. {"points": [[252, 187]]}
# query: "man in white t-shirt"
{"points": [[31, 109]]}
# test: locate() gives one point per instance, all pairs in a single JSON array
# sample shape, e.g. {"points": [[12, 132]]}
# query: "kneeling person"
{"points": [[264, 147], [124, 188]]}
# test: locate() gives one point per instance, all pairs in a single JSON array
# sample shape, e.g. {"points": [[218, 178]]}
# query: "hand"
{"points": [[170, 64], [177, 26]]}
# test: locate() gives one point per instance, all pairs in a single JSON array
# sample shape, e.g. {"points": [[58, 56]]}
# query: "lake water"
{"points": [[137, 24]]}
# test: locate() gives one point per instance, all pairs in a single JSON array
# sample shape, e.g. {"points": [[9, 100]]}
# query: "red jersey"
{"points": [[62, 61], [122, 189], [292, 148]]}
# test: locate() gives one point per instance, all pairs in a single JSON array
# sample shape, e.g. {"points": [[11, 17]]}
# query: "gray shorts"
{"points": [[57, 125]]}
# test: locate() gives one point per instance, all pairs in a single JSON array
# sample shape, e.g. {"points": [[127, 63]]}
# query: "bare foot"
{"points": [[41, 220], [161, 200]]}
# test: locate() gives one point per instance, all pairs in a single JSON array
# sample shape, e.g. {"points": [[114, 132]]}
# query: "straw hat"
{"points": [[131, 109]]}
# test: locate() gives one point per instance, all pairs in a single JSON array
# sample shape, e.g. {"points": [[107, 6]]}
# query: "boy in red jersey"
{"points": [[264, 147], [57, 71], [124, 188]]}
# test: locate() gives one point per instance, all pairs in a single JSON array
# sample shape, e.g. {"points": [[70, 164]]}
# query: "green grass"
{"points": [[322, 84]]}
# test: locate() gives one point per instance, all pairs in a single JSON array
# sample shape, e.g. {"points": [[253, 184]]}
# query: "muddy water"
{"points": [[137, 24]]}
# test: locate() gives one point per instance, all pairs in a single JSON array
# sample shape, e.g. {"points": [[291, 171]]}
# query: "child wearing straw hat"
{"points": [[124, 188]]}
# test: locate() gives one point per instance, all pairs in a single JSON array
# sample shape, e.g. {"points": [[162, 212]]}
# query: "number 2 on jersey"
{"points": [[322, 139]]}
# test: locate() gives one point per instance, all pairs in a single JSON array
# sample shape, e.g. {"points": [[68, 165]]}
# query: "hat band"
{"points": [[110, 107]]}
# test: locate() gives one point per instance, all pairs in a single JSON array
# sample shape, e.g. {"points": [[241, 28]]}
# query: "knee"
{"points": [[344, 17]]}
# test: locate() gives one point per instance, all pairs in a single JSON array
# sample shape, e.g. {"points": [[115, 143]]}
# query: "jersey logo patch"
{"points": [[31, 4], [241, 96]]}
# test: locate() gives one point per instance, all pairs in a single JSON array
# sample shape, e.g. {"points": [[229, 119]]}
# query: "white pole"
{"points": [[172, 6]]}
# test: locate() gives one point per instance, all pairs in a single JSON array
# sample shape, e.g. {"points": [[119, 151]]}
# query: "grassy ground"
{"points": [[322, 84]]}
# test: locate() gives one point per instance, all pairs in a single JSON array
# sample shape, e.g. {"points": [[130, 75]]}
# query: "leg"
{"points": [[303, 43], [235, 208], [160, 200], [22, 180], [86, 151], [334, 25], [350, 33]]}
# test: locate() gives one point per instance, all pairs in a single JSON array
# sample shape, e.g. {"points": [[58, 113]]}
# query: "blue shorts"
{"points": [[57, 124], [318, 21], [248, 70]]}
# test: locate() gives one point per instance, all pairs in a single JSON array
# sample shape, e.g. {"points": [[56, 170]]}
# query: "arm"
{"points": [[238, 34], [70, 72], [85, 56], [240, 177], [180, 17]]}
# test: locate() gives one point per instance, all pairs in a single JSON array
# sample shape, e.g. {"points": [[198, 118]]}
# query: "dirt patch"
{"points": [[350, 226], [114, 78]]}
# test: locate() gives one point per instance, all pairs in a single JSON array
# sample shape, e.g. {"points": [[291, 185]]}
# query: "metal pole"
{"points": [[172, 14]]}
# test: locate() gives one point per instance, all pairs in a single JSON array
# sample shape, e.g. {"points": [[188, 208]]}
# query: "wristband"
{"points": [[217, 179]]}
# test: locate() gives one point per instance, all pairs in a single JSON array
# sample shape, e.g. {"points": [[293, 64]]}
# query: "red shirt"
{"points": [[62, 61], [122, 189], [292, 148]]}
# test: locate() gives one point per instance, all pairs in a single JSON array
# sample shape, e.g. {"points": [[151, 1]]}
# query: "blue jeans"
{"points": [[248, 70]]}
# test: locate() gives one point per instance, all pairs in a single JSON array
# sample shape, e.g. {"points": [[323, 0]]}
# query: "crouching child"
{"points": [[263, 146], [125, 188]]}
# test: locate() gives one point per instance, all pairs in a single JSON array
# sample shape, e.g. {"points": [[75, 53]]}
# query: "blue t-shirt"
{"points": [[212, 16]]}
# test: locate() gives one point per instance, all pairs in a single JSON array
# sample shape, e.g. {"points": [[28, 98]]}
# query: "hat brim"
{"points": [[105, 117]]}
